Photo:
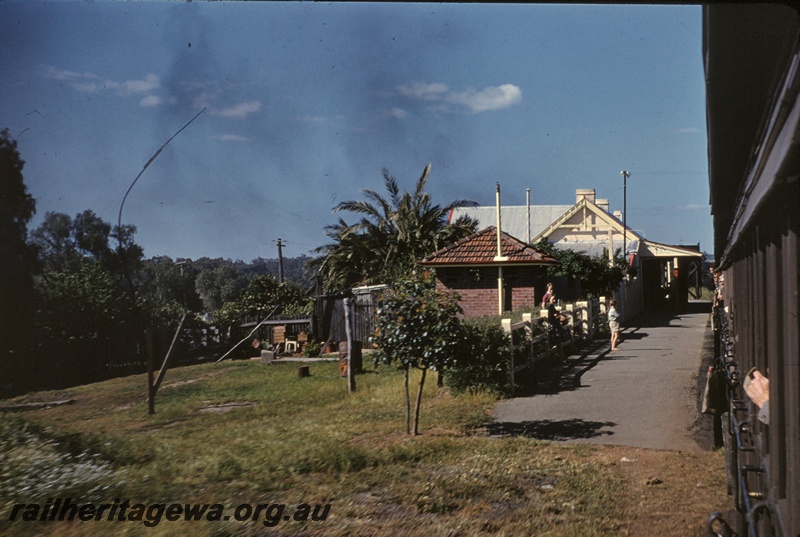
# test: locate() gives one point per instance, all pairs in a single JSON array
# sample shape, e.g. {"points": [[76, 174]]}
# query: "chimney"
{"points": [[588, 193], [603, 204], [618, 215]]}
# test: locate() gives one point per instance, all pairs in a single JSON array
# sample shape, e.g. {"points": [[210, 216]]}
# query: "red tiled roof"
{"points": [[481, 249]]}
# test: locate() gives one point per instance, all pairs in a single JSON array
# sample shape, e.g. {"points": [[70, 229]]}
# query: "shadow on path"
{"points": [[633, 335], [566, 374], [564, 420], [551, 430]]}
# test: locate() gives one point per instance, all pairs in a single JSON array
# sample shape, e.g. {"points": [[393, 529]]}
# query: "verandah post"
{"points": [[351, 379]]}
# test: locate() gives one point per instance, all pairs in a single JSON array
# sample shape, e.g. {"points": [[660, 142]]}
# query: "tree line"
{"points": [[77, 294]]}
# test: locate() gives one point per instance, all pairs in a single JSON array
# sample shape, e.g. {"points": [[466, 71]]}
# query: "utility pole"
{"points": [[280, 260], [625, 175], [528, 196]]}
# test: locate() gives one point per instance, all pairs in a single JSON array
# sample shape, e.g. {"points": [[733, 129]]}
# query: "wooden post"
{"points": [[163, 371], [500, 299], [151, 395], [527, 318], [506, 323], [571, 309], [351, 379], [583, 316]]}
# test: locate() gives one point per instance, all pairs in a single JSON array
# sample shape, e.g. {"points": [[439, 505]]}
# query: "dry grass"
{"points": [[290, 440]]}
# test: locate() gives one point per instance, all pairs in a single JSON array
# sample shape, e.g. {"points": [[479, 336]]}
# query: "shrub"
{"points": [[312, 349], [483, 362]]}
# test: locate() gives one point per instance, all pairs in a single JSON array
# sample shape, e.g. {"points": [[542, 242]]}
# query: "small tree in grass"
{"points": [[417, 327]]}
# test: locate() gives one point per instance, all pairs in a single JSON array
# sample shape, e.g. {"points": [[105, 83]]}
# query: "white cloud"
{"points": [[422, 90], [91, 83], [86, 86], [63, 74], [232, 138], [490, 98], [148, 83], [239, 111], [398, 113], [151, 101], [83, 82]]}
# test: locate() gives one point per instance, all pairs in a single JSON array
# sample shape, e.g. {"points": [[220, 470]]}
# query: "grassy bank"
{"points": [[243, 433]]}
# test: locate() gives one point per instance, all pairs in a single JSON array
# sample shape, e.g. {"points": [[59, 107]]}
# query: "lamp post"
{"points": [[625, 175]]}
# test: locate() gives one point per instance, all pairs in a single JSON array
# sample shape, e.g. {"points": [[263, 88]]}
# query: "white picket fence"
{"points": [[583, 320]]}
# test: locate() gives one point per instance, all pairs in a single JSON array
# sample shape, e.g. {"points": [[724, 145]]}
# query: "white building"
{"points": [[588, 226]]}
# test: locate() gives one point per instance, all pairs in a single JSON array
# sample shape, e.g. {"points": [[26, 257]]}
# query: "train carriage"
{"points": [[753, 116]]}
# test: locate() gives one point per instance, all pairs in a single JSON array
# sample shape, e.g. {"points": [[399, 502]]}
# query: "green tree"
{"points": [[17, 294], [393, 234], [349, 258], [55, 244], [219, 285], [596, 275], [418, 327], [65, 244], [263, 296], [87, 324], [167, 283]]}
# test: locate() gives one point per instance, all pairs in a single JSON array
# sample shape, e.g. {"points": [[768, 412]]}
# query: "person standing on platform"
{"points": [[613, 323]]}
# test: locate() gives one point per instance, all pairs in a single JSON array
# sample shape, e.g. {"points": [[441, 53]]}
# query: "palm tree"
{"points": [[391, 237], [347, 258]]}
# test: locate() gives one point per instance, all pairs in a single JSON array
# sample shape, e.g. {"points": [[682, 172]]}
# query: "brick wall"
{"points": [[478, 288]]}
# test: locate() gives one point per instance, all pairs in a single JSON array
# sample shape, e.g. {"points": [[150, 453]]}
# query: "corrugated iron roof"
{"points": [[514, 218], [481, 249], [590, 248]]}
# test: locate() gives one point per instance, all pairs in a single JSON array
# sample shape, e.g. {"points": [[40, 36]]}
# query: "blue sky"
{"points": [[306, 103]]}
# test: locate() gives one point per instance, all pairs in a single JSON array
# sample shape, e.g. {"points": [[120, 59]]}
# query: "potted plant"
{"points": [[312, 349]]}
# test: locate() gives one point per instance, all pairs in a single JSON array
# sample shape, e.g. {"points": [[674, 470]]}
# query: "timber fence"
{"points": [[533, 341]]}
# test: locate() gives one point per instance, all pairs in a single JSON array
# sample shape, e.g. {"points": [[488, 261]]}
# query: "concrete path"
{"points": [[642, 395]]}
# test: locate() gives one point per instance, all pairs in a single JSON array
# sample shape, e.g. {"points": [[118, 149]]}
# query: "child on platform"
{"points": [[613, 323]]}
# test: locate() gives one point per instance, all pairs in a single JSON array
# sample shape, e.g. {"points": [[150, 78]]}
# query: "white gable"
{"points": [[584, 227], [654, 249]]}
